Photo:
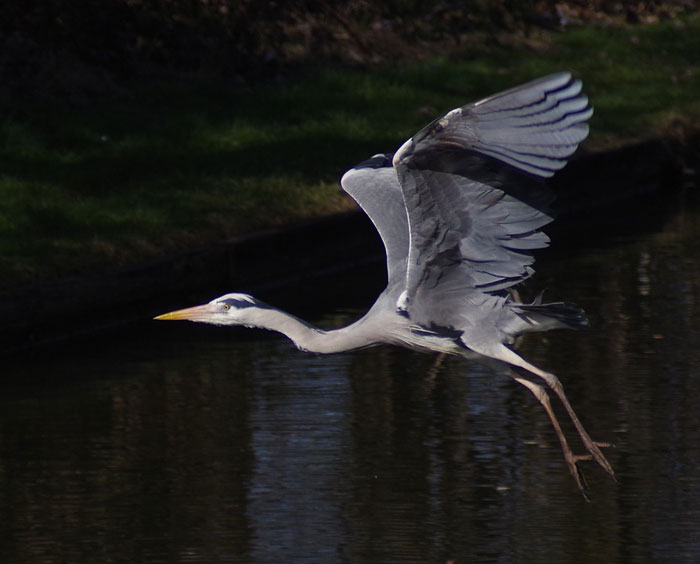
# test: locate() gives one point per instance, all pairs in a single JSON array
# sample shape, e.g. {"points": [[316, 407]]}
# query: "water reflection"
{"points": [[193, 445]]}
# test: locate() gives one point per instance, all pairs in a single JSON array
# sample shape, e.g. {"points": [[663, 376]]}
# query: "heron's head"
{"points": [[229, 309]]}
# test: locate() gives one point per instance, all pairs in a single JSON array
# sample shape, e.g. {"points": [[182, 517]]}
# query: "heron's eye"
{"points": [[225, 307]]}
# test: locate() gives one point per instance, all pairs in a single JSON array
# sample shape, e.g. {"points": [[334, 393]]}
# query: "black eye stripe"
{"points": [[243, 303], [238, 304]]}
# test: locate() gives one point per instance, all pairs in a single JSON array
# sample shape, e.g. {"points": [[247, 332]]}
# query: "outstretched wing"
{"points": [[374, 185], [471, 186]]}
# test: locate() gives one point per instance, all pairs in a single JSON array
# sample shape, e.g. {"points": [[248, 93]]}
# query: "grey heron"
{"points": [[459, 208]]}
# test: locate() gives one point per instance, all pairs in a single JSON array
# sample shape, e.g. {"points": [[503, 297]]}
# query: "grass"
{"points": [[164, 165]]}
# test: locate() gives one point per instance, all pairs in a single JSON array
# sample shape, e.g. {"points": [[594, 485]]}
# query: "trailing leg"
{"points": [[593, 447], [571, 459]]}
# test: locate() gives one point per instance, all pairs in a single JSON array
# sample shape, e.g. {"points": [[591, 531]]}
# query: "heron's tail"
{"points": [[543, 317]]}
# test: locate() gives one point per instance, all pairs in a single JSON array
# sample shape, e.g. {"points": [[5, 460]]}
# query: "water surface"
{"points": [[180, 443]]}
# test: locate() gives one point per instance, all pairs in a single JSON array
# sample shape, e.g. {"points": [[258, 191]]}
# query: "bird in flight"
{"points": [[459, 207]]}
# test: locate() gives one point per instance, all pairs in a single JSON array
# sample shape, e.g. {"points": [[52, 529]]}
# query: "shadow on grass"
{"points": [[173, 164]]}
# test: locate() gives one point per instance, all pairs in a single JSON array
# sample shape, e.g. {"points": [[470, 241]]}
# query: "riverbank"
{"points": [[168, 164]]}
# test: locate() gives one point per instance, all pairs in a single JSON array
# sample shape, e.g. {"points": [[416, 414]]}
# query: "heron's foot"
{"points": [[572, 461], [594, 453], [593, 447]]}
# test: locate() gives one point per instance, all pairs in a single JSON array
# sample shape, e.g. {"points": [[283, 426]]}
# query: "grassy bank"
{"points": [[161, 166]]}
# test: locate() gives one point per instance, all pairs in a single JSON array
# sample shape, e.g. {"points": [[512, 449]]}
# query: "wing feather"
{"points": [[472, 192], [373, 184]]}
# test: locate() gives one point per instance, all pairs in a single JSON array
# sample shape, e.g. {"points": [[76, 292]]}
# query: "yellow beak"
{"points": [[196, 313]]}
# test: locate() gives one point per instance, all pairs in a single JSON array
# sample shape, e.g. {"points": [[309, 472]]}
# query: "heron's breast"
{"points": [[416, 337]]}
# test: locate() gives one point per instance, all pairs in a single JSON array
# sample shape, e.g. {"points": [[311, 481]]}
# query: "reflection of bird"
{"points": [[459, 207]]}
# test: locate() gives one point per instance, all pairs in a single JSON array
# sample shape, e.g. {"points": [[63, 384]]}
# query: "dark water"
{"points": [[180, 444]]}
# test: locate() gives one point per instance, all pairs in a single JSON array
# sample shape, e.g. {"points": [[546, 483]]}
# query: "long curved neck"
{"points": [[309, 338]]}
